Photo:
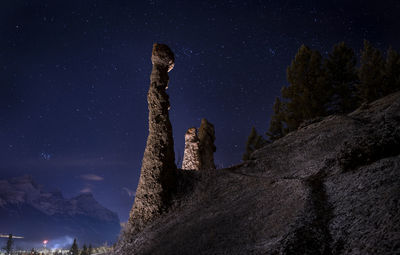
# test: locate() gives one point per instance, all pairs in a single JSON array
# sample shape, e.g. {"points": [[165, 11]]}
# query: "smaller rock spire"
{"points": [[199, 148], [207, 147], [191, 156]]}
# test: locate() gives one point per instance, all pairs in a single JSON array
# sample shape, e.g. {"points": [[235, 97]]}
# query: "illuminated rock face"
{"points": [[157, 178], [199, 149], [191, 156]]}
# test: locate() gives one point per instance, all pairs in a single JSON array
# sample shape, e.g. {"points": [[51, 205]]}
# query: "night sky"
{"points": [[74, 77]]}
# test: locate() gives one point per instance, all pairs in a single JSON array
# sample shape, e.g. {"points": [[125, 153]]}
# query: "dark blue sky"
{"points": [[74, 77]]}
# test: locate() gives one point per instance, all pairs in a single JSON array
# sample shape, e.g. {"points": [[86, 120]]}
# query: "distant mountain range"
{"points": [[27, 210]]}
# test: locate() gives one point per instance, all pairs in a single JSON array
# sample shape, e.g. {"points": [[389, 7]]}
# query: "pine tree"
{"points": [[392, 72], [74, 248], [9, 244], [276, 126], [90, 250], [371, 74], [341, 77], [307, 93], [84, 250], [254, 142]]}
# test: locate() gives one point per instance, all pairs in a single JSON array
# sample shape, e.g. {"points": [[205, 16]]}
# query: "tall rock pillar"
{"points": [[157, 177]]}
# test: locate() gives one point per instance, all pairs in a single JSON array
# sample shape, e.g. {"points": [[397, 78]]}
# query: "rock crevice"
{"points": [[310, 234]]}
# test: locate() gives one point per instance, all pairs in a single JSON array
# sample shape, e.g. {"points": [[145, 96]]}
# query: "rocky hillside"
{"points": [[332, 187], [27, 210]]}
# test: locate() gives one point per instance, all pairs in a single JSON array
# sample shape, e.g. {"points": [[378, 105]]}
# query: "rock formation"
{"points": [[157, 178], [199, 149], [207, 147], [191, 156], [331, 187]]}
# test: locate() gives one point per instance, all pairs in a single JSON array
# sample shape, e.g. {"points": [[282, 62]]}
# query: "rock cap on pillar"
{"points": [[162, 55]]}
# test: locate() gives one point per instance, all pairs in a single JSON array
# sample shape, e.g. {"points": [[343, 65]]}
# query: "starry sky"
{"points": [[74, 77]]}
